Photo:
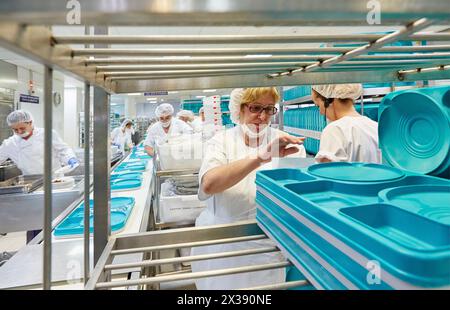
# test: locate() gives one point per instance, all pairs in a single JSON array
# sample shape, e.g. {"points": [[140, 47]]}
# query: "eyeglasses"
{"points": [[270, 110]]}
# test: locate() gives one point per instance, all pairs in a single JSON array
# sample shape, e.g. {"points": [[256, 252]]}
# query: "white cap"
{"points": [[19, 116], [126, 122], [164, 109], [185, 113], [235, 104], [340, 91], [202, 110]]}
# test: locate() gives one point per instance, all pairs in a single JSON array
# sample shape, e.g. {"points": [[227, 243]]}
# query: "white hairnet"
{"points": [[19, 116], [235, 104], [185, 113], [164, 109], [340, 91], [125, 123], [202, 109]]}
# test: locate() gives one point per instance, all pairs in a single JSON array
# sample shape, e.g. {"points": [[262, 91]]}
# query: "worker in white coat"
{"points": [[197, 123], [349, 136], [26, 147], [121, 136], [227, 181], [165, 127]]}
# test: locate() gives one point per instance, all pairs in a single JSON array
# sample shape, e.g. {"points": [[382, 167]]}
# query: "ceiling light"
{"points": [[134, 94], [152, 98], [173, 92], [209, 90], [200, 97]]}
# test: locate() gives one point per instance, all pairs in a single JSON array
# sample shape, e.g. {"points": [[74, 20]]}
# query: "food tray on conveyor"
{"points": [[132, 166], [339, 227], [74, 224]]}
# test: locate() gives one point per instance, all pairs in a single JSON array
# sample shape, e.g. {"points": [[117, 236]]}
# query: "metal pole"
{"points": [[248, 51], [87, 172], [102, 163], [48, 124], [281, 112], [237, 39], [87, 179]]}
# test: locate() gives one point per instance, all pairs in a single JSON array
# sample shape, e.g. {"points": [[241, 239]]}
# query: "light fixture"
{"points": [[173, 92], [152, 98], [209, 90], [200, 97], [134, 94]]}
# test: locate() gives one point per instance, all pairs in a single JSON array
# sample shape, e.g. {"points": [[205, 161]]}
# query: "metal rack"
{"points": [[113, 70]]}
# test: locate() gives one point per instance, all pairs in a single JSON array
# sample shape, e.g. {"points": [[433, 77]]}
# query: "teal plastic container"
{"points": [[345, 217], [414, 130], [74, 224]]}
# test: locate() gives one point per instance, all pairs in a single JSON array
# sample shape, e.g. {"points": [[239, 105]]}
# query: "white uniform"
{"points": [[197, 124], [234, 204], [28, 155], [121, 138], [156, 133], [350, 139]]}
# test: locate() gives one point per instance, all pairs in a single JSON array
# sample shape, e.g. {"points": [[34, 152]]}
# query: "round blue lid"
{"points": [[414, 133]]}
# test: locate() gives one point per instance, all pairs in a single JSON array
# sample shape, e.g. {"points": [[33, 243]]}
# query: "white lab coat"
{"points": [[234, 204], [156, 133], [197, 124], [350, 139], [28, 155], [121, 138]]}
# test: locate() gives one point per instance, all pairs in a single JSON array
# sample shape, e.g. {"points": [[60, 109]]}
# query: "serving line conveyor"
{"points": [[130, 70]]}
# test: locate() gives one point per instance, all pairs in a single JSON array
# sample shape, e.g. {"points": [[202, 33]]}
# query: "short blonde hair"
{"points": [[253, 94]]}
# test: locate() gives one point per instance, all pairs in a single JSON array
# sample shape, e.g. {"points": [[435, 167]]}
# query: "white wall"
{"points": [[23, 77]]}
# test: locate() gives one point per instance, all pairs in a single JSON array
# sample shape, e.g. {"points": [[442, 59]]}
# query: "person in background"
{"points": [[197, 123], [121, 136], [165, 127], [227, 181], [26, 149], [349, 136], [186, 116]]}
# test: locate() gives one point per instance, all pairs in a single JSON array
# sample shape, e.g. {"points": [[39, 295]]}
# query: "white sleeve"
{"points": [[3, 152], [186, 129], [214, 156], [332, 145], [62, 150], [150, 140], [114, 135]]}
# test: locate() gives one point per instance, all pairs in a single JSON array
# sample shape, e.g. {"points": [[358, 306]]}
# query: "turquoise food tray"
{"points": [[126, 175], [125, 184], [414, 130], [132, 166], [74, 224], [402, 223]]}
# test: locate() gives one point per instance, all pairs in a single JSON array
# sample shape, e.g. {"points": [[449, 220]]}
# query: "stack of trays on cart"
{"points": [[359, 226], [73, 225]]}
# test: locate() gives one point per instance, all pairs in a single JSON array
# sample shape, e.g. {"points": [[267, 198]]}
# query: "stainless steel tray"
{"points": [[21, 184]]}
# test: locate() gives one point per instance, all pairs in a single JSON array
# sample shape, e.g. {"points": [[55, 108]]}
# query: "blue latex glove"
{"points": [[73, 162]]}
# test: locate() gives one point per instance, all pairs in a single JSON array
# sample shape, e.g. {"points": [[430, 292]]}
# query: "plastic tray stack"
{"points": [[359, 226], [74, 224]]}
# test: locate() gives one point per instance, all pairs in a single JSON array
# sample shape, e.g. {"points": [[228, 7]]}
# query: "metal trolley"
{"points": [[126, 70]]}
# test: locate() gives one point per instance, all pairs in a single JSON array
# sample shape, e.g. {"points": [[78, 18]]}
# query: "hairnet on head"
{"points": [[164, 109], [185, 113], [202, 109], [340, 91], [235, 104], [19, 116], [126, 122]]}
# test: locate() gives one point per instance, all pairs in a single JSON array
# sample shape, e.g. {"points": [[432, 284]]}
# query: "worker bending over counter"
{"points": [[349, 136], [165, 127], [121, 136], [227, 180], [26, 147]]}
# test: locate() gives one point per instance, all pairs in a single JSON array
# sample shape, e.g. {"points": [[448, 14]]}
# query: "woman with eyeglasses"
{"points": [[227, 180]]}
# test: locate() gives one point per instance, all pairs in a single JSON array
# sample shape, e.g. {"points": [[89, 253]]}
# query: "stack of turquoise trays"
{"points": [[73, 225], [359, 226], [414, 130]]}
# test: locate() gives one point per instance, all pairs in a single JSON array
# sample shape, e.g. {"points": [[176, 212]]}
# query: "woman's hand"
{"points": [[279, 147]]}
